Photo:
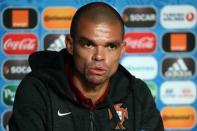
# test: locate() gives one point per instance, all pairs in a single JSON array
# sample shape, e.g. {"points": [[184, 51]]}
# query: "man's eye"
{"points": [[112, 46], [87, 45]]}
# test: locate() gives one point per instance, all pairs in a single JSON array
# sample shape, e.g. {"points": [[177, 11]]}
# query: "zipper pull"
{"points": [[91, 121]]}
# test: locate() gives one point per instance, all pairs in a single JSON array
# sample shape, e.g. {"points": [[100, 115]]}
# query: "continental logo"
{"points": [[20, 18], [140, 42], [178, 42], [20, 43], [58, 18], [54, 42], [178, 117], [15, 69], [178, 68], [139, 17], [178, 16]]}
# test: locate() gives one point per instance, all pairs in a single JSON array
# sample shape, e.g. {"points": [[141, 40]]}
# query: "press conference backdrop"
{"points": [[161, 49]]}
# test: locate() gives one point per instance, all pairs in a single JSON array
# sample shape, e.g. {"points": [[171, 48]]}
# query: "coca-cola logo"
{"points": [[138, 42], [20, 44]]}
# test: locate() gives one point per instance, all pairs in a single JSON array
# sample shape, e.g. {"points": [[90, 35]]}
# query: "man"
{"points": [[83, 88]]}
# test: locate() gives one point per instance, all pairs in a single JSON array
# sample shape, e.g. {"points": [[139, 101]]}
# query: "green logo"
{"points": [[153, 88], [9, 94]]}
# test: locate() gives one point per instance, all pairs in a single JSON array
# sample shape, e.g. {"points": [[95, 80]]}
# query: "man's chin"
{"points": [[96, 81]]}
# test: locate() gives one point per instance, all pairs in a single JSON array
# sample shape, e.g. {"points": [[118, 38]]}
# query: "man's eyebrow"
{"points": [[85, 39], [115, 42]]}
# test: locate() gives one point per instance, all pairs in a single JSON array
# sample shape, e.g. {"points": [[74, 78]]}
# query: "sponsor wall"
{"points": [[161, 50]]}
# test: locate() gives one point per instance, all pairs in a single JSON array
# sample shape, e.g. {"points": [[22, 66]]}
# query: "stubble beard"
{"points": [[95, 79]]}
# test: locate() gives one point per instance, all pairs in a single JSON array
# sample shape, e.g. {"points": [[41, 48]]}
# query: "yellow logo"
{"points": [[178, 117], [58, 18]]}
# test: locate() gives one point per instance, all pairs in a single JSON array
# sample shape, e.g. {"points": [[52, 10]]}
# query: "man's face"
{"points": [[97, 50]]}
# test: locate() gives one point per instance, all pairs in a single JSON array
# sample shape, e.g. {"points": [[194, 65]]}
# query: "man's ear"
{"points": [[69, 43]]}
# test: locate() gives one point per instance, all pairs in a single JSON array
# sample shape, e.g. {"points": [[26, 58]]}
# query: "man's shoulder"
{"points": [[45, 59], [33, 80]]}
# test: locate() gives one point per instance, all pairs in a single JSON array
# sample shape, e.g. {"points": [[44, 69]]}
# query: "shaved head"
{"points": [[97, 12]]}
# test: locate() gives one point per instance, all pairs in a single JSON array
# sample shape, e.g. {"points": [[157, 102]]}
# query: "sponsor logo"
{"points": [[178, 92], [63, 114], [140, 42], [178, 42], [153, 88], [20, 18], [178, 16], [139, 17], [142, 67], [15, 69], [122, 112], [20, 44], [9, 94], [178, 68], [58, 18], [54, 42], [178, 117], [6, 118]]}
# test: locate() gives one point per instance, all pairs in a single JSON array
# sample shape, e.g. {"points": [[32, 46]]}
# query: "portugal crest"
{"points": [[122, 113]]}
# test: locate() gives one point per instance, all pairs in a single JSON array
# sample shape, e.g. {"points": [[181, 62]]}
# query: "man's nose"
{"points": [[99, 54]]}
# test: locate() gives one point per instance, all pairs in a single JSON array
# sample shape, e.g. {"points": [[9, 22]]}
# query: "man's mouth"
{"points": [[97, 71]]}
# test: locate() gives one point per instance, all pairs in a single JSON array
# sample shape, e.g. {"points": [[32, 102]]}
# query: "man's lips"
{"points": [[97, 71]]}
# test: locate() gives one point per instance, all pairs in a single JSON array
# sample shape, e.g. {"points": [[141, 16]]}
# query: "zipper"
{"points": [[91, 121]]}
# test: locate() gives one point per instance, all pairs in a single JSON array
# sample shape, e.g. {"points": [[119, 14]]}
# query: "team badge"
{"points": [[122, 113]]}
